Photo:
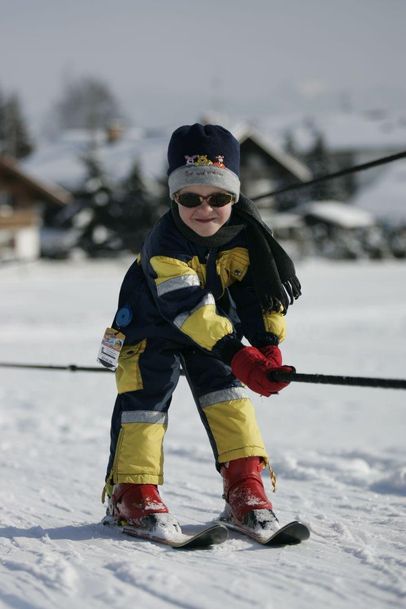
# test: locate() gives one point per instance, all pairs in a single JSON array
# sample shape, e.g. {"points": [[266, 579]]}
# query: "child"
{"points": [[209, 273]]}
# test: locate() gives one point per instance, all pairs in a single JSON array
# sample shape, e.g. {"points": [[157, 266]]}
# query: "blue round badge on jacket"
{"points": [[124, 316]]}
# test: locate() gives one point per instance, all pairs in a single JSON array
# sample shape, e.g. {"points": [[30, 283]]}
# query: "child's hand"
{"points": [[273, 355], [251, 367]]}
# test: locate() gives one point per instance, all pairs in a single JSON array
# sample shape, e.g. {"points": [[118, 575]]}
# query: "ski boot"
{"points": [[140, 506], [246, 502]]}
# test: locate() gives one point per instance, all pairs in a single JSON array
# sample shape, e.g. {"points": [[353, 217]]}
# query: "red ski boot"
{"points": [[140, 506], [246, 500]]}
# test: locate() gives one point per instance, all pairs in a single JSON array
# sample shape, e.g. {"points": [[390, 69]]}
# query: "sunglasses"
{"points": [[192, 199]]}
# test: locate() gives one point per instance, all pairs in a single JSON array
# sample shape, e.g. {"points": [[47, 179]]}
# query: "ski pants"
{"points": [[146, 377]]}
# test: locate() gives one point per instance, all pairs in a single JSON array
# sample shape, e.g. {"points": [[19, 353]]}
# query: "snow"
{"points": [[342, 131], [61, 161], [339, 453], [341, 214], [385, 198]]}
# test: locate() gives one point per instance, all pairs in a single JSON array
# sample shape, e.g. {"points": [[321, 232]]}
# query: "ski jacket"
{"points": [[182, 291]]}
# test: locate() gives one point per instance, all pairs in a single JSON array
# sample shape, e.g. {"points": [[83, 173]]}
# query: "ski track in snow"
{"points": [[339, 454]]}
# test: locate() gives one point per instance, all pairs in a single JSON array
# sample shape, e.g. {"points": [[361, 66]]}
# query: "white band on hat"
{"points": [[221, 177]]}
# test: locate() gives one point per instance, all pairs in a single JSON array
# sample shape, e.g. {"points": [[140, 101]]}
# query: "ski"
{"points": [[291, 533], [173, 536], [216, 533], [204, 538]]}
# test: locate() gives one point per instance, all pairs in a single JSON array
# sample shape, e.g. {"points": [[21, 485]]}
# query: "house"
{"points": [[363, 137], [349, 138], [23, 199], [341, 230], [264, 166], [330, 229]]}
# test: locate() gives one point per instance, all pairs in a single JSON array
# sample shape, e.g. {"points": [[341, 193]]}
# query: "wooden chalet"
{"points": [[22, 201], [266, 167]]}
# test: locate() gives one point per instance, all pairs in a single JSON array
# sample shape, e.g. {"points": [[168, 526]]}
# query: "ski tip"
{"points": [[219, 533], [291, 534], [213, 535]]}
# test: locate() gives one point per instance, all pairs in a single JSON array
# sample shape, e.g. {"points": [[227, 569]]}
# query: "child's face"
{"points": [[204, 219]]}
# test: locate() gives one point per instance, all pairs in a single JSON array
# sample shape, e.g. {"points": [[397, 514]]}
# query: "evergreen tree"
{"points": [[138, 210], [345, 187], [2, 122], [162, 198], [14, 137], [112, 219], [289, 143], [319, 162], [96, 230]]}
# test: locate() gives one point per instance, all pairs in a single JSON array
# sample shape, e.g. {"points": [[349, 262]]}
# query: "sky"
{"points": [[169, 61]]}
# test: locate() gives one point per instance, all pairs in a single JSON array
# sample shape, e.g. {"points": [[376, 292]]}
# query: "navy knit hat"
{"points": [[204, 154]]}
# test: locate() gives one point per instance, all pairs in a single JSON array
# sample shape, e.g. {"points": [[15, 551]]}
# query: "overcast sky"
{"points": [[169, 60]]}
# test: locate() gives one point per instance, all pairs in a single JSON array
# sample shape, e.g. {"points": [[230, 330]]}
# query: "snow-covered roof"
{"points": [[386, 198], [340, 214], [341, 131], [278, 221], [354, 132], [46, 189], [61, 160], [271, 140]]}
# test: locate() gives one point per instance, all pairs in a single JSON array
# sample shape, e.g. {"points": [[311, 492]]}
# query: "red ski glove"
{"points": [[273, 354], [251, 367]]}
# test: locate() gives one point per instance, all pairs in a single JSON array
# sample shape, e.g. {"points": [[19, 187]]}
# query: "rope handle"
{"points": [[275, 375], [329, 379]]}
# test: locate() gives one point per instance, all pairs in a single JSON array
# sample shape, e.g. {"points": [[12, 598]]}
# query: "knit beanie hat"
{"points": [[204, 154]]}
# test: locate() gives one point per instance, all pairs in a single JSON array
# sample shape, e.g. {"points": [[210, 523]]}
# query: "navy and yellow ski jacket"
{"points": [[196, 295]]}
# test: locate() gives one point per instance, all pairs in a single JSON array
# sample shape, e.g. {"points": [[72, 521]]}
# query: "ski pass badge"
{"points": [[111, 345]]}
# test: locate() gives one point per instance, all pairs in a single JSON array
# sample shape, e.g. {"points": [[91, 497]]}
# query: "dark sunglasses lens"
{"points": [[189, 199], [219, 199]]}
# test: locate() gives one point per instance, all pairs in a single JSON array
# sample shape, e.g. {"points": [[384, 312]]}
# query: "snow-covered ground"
{"points": [[339, 453]]}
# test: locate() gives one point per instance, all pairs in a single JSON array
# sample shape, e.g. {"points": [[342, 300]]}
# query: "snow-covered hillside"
{"points": [[339, 453]]}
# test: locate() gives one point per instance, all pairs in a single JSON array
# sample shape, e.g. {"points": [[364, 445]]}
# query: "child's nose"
{"points": [[205, 204]]}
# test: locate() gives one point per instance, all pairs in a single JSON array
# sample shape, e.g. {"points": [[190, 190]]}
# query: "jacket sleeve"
{"points": [[259, 327], [183, 302]]}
